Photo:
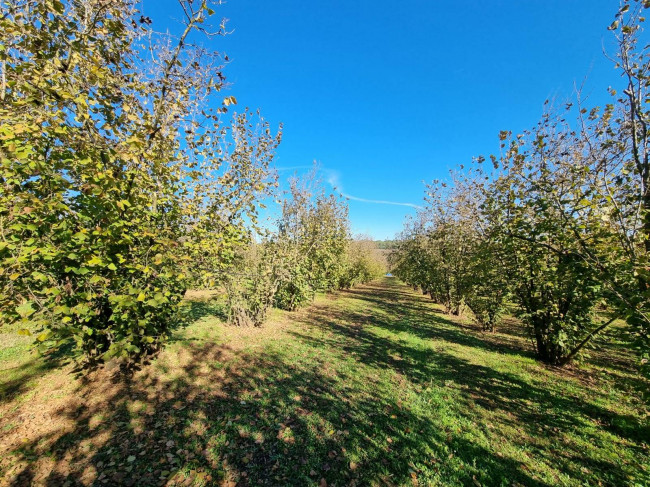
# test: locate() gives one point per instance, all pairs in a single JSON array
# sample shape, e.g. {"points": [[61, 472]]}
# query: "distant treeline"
{"points": [[386, 244]]}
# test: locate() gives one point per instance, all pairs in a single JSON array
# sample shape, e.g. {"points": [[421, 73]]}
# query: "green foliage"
{"points": [[312, 237], [363, 262], [620, 184], [229, 177], [251, 285], [487, 285], [295, 291], [562, 224], [385, 244], [574, 205], [529, 205], [109, 182], [448, 253], [310, 251]]}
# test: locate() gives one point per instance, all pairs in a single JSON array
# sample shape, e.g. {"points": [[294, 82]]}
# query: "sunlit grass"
{"points": [[375, 387]]}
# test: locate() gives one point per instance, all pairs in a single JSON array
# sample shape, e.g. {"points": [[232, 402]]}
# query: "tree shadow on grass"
{"points": [[533, 407], [411, 313], [262, 421], [15, 381], [193, 311], [317, 409]]}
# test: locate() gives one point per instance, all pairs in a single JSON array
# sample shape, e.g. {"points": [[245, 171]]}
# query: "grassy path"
{"points": [[373, 386]]}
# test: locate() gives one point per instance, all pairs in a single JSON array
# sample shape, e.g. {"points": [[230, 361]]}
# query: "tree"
{"points": [[251, 284], [555, 290], [575, 208], [310, 251], [619, 166], [363, 262], [113, 171], [313, 233]]}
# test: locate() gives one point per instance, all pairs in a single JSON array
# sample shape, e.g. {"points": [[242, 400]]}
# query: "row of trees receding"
{"points": [[310, 251], [557, 224], [125, 180]]}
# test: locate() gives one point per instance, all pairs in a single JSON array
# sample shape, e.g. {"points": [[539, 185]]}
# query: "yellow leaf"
{"points": [[95, 260], [43, 336]]}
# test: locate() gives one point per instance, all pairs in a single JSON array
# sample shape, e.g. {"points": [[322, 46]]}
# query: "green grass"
{"points": [[374, 386]]}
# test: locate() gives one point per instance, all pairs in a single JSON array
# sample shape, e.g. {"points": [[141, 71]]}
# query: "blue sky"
{"points": [[387, 94]]}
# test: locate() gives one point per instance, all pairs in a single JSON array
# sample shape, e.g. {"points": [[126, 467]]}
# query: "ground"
{"points": [[372, 386]]}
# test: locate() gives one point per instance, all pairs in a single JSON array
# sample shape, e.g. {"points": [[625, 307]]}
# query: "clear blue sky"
{"points": [[388, 94]]}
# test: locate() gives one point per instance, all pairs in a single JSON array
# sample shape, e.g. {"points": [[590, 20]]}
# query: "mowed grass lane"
{"points": [[372, 386]]}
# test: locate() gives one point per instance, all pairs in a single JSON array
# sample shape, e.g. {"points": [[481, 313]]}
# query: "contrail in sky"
{"points": [[333, 180], [293, 168], [380, 202]]}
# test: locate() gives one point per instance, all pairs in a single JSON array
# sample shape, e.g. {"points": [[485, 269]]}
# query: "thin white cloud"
{"points": [[293, 168], [380, 202], [333, 179]]}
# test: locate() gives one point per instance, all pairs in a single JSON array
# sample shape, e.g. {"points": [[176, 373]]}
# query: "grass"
{"points": [[373, 386]]}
